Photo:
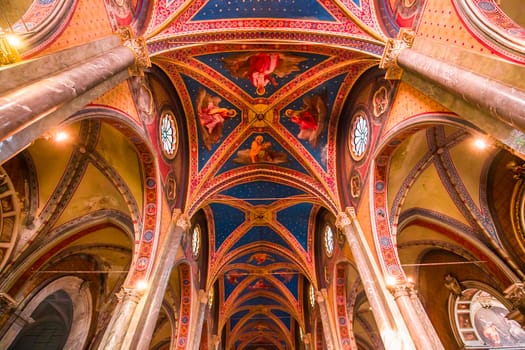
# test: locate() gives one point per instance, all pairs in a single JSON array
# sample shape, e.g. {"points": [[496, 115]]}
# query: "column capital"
{"points": [[132, 294], [345, 218], [405, 39], [139, 48], [180, 219], [203, 296], [402, 289]]}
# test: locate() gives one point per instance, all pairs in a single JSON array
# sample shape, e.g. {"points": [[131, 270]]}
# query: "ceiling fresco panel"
{"points": [[296, 9]]}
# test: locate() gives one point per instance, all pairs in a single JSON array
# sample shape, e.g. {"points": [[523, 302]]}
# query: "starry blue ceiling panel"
{"points": [[238, 67], [261, 234], [233, 9], [223, 227], [289, 278], [270, 191], [296, 220], [260, 301], [236, 317], [316, 105], [284, 316], [273, 154], [209, 138]]}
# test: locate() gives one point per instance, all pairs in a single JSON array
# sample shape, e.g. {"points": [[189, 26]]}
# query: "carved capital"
{"points": [[405, 39], [130, 294], [183, 222], [342, 221], [203, 296], [139, 48], [400, 290]]}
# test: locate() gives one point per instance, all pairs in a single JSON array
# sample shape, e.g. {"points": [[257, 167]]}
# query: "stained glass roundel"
{"points": [[328, 241], [196, 242], [168, 135], [359, 137], [311, 295]]}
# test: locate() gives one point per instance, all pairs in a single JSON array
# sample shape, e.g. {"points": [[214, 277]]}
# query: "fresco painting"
{"points": [[260, 152], [310, 118], [262, 68], [211, 117]]}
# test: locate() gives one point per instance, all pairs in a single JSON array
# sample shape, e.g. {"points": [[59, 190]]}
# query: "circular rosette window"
{"points": [[359, 137], [168, 135], [328, 241], [196, 242], [311, 296]]}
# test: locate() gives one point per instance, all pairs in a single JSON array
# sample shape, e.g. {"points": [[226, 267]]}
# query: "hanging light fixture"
{"points": [[10, 42]]}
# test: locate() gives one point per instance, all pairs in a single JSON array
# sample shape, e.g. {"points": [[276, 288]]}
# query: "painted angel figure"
{"points": [[260, 68], [310, 118], [211, 117]]}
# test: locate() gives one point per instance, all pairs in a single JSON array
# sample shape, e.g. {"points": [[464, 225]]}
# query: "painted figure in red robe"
{"points": [[261, 68]]}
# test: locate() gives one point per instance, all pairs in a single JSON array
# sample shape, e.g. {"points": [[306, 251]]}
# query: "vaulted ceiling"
{"points": [[262, 85]]}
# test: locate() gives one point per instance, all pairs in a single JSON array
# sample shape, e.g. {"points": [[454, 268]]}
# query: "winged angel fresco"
{"points": [[211, 117], [310, 118], [260, 68]]}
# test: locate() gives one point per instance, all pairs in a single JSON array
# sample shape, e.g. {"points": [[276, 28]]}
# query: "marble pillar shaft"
{"points": [[203, 303], [28, 105], [129, 299], [325, 322], [368, 277], [414, 323], [501, 101], [159, 279]]}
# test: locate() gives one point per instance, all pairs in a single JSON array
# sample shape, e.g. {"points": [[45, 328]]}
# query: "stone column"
{"points": [[426, 323], [477, 98], [419, 326], [118, 327], [307, 340], [141, 330], [325, 320], [392, 327], [203, 303], [37, 102], [216, 342], [363, 262]]}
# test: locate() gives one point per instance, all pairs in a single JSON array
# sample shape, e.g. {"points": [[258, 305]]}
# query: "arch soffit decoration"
{"points": [[82, 302], [146, 227], [384, 241]]}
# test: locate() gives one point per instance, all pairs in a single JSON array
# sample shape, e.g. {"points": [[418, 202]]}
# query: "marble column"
{"points": [[363, 262], [307, 340], [372, 279], [496, 107], [141, 330], [419, 326], [203, 303], [32, 107], [118, 327], [216, 342], [426, 323], [501, 101], [325, 320]]}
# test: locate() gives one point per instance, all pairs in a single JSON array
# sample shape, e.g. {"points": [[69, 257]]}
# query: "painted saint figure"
{"points": [[211, 117], [260, 152], [310, 118], [262, 67]]}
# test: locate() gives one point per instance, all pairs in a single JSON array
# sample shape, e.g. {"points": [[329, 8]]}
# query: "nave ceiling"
{"points": [[246, 105]]}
